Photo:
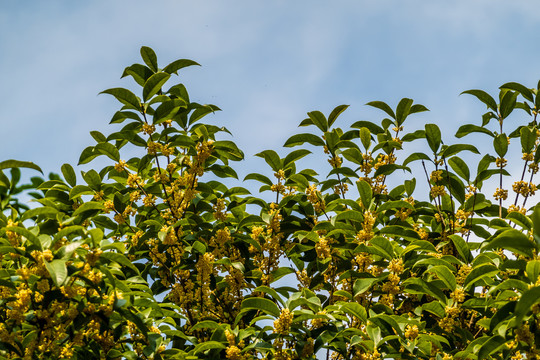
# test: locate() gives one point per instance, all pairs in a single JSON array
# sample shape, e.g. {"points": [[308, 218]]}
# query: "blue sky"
{"points": [[264, 63]]}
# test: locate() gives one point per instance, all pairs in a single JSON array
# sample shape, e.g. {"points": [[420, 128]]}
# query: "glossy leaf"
{"points": [[9, 164]]}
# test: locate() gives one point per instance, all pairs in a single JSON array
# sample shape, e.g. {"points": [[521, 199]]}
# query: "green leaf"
{"points": [[520, 219], [389, 169], [365, 137], [270, 291], [508, 102], [335, 113], [373, 128], [460, 167], [272, 158], [356, 310], [150, 58], [469, 128], [462, 247], [524, 91], [69, 174], [139, 72], [348, 215], [512, 240], [300, 139], [500, 144], [403, 109], [456, 148], [125, 96], [108, 150], [416, 108], [433, 137], [482, 271], [91, 205], [46, 211], [173, 67], [167, 110], [8, 164], [92, 178], [384, 107], [415, 157], [445, 275], [153, 85], [293, 156], [87, 155], [265, 305], [483, 97], [319, 120], [535, 217], [207, 345], [58, 271], [492, 345], [525, 303], [528, 139], [362, 285], [258, 177], [120, 259], [533, 270]]}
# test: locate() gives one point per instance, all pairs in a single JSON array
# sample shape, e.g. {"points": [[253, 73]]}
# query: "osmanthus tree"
{"points": [[153, 258]]}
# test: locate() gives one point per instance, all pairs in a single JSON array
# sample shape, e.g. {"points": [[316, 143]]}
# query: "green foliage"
{"points": [[153, 257]]}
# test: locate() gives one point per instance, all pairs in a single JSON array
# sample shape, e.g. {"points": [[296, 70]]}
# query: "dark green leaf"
{"points": [[125, 96], [365, 137], [153, 85], [108, 150], [319, 120], [500, 144], [300, 139], [492, 345], [469, 128], [335, 113], [524, 91], [460, 167], [483, 97], [258, 177], [512, 240], [528, 139], [366, 194], [272, 159], [173, 67], [150, 58], [69, 174], [433, 137], [508, 102], [8, 164], [403, 109], [265, 305], [384, 107], [58, 271]]}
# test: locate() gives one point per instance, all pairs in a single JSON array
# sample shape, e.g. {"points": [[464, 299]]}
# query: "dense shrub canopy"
{"points": [[153, 257]]}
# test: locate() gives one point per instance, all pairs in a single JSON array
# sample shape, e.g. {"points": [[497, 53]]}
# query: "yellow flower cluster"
{"points": [[366, 233], [437, 190], [396, 266], [315, 199], [120, 166], [463, 271], [500, 194], [436, 176], [411, 332], [458, 295], [323, 249], [148, 129], [501, 162], [335, 161], [524, 188], [219, 209], [282, 325]]}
